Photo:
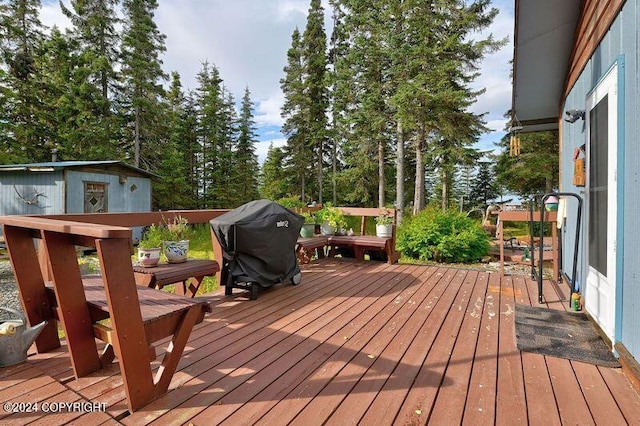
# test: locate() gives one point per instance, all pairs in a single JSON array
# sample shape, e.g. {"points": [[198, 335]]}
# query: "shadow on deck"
{"points": [[354, 342]]}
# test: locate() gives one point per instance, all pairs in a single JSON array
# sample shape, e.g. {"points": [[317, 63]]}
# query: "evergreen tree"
{"points": [[295, 127], [314, 46], [484, 187], [363, 83], [172, 190], [142, 105], [433, 100], [246, 161], [68, 100], [273, 185], [226, 190], [535, 170], [98, 43], [22, 38]]}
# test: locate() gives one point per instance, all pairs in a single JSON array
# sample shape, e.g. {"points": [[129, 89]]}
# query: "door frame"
{"points": [[618, 67]]}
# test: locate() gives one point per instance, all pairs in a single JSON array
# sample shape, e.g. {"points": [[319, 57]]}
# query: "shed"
{"points": [[74, 187]]}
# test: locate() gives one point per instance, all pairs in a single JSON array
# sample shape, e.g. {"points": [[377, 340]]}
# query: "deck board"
{"points": [[355, 342]]}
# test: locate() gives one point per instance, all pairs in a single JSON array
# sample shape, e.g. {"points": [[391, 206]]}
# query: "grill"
{"points": [[258, 240]]}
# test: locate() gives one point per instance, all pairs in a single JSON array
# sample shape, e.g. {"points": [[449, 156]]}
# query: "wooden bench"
{"points": [[187, 275], [307, 247], [360, 244], [138, 316]]}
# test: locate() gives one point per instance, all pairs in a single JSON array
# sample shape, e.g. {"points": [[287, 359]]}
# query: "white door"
{"points": [[602, 140]]}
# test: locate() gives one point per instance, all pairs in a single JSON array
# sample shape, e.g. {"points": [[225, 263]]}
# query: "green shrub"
{"points": [[291, 202], [450, 237]]}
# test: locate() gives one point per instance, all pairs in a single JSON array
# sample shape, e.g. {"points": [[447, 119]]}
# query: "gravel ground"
{"points": [[8, 291]]}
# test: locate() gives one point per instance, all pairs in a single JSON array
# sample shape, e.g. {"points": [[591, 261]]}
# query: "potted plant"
{"points": [[149, 247], [331, 219], [309, 228], [384, 224], [176, 245]]}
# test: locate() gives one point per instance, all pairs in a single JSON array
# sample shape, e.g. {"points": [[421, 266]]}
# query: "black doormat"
{"points": [[561, 334]]}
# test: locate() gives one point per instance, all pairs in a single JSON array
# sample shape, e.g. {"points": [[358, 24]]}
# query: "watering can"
{"points": [[16, 338]]}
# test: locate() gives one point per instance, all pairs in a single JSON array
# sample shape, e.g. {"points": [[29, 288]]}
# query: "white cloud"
{"points": [[268, 110], [287, 8], [51, 15]]}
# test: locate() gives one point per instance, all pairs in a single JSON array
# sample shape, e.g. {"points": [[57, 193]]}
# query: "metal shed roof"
{"points": [[59, 165]]}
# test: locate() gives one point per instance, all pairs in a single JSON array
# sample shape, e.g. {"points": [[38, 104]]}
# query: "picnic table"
{"points": [[52, 289]]}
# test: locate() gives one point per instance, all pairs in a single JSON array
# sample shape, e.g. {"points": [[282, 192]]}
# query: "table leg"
{"points": [[130, 341], [72, 304], [35, 303]]}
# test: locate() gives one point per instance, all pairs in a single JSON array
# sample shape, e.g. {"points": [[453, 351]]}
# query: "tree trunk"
{"points": [[136, 130], [381, 182], [418, 197], [445, 189], [399, 173], [320, 174]]}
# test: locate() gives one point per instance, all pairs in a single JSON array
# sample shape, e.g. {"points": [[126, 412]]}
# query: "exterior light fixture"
{"points": [[573, 115]]}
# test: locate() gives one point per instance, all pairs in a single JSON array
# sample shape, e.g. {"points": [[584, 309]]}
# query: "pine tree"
{"points": [[273, 183], [295, 127], [484, 187], [363, 85], [98, 45], [246, 161], [535, 170], [433, 100], [172, 190], [314, 46], [22, 38], [143, 94]]}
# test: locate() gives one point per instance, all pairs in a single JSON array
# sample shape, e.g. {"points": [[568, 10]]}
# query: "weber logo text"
{"points": [[282, 224]]}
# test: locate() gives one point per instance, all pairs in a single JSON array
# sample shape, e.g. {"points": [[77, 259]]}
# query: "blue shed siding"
{"points": [[622, 39], [27, 184], [120, 197]]}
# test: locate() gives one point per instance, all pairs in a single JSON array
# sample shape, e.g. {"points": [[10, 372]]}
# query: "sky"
{"points": [[248, 40]]}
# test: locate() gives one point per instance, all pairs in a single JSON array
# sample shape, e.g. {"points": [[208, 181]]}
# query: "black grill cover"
{"points": [[258, 240]]}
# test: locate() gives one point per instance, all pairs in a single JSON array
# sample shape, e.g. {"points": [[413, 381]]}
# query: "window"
{"points": [[95, 197]]}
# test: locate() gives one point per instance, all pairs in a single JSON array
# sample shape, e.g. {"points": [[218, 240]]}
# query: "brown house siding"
{"points": [[596, 18]]}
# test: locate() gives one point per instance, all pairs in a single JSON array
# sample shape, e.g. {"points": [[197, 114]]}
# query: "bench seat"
{"points": [[161, 311], [306, 247], [163, 315], [364, 243]]}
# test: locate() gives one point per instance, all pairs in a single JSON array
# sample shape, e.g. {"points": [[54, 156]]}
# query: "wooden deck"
{"points": [[355, 342]]}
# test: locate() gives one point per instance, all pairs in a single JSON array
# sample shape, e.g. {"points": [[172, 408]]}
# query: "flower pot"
{"points": [[176, 251], [308, 230], [384, 231], [149, 257], [326, 229]]}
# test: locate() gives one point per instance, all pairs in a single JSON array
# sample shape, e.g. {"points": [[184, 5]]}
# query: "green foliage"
{"points": [[153, 237], [484, 186], [246, 160], [309, 218], [442, 236], [291, 202], [384, 218], [535, 170], [141, 101], [333, 216], [273, 178]]}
